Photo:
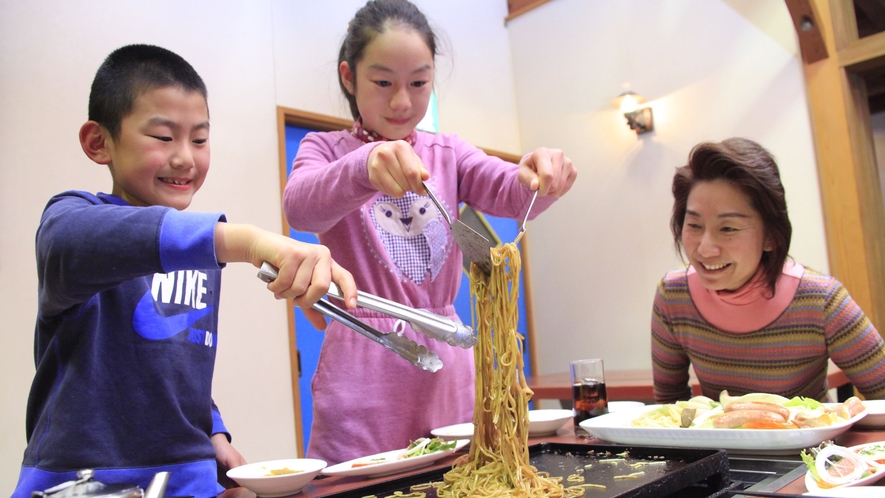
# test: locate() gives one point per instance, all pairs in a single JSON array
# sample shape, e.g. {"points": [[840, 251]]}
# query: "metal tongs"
{"points": [[474, 246], [434, 326]]}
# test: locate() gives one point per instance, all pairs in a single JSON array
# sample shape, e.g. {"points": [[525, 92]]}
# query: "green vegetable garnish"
{"points": [[425, 446], [808, 458], [809, 403]]}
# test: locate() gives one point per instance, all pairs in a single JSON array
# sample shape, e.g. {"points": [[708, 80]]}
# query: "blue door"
{"points": [[309, 340]]}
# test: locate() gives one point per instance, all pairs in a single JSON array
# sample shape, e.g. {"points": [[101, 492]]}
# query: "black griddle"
{"points": [[705, 471]]}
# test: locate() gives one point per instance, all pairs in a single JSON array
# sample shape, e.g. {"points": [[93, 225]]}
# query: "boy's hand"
{"points": [[395, 169], [227, 458], [547, 170], [305, 270]]}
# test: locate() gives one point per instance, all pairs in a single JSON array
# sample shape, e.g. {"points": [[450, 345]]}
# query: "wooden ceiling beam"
{"points": [[864, 54], [807, 23], [851, 192]]}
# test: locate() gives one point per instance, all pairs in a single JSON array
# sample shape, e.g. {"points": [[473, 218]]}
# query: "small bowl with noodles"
{"points": [[277, 477]]}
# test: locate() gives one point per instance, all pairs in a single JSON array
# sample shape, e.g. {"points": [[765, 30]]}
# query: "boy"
{"points": [[129, 291]]}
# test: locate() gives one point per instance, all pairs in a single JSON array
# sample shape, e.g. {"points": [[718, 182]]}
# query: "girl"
{"points": [[747, 319], [361, 191]]}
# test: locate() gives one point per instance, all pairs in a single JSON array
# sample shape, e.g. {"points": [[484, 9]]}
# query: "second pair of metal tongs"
{"points": [[432, 325], [474, 246]]}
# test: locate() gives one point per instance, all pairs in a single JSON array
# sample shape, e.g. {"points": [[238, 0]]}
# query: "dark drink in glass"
{"points": [[589, 400]]}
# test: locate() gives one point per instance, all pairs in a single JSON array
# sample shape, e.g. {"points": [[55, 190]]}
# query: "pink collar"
{"points": [[371, 137], [748, 308]]}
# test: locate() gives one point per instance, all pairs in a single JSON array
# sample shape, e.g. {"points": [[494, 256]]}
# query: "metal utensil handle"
{"points": [[406, 348], [438, 204], [437, 327], [157, 487], [526, 219]]}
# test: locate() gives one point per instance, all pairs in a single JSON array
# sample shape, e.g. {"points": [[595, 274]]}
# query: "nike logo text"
{"points": [[155, 322]]}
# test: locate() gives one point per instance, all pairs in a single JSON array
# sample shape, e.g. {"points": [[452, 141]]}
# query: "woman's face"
{"points": [[723, 236], [393, 82]]}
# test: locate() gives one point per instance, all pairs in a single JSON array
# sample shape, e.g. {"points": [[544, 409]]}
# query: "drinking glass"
{"points": [[588, 391]]}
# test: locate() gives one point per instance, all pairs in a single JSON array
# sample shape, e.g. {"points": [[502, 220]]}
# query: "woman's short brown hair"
{"points": [[749, 167]]}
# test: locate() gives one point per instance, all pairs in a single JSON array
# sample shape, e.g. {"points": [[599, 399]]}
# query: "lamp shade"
{"points": [[628, 101]]}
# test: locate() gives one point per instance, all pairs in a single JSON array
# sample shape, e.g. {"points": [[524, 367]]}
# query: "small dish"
{"points": [[388, 462], [260, 479], [811, 484], [455, 432], [545, 422], [875, 414], [863, 492], [617, 406]]}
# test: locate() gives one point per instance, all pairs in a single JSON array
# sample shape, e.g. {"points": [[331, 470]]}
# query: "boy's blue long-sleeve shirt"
{"points": [[124, 346]]}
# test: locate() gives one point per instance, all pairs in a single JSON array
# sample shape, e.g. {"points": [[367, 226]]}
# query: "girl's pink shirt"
{"points": [[366, 400], [746, 309]]}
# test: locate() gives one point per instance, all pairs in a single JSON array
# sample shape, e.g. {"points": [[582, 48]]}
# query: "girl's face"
{"points": [[723, 236], [392, 83]]}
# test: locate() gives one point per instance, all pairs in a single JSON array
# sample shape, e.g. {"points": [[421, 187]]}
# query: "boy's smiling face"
{"points": [[161, 155]]}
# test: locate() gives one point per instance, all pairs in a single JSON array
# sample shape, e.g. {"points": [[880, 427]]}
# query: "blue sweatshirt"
{"points": [[124, 346]]}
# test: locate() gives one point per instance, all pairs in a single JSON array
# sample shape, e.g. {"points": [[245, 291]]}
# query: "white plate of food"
{"points": [[618, 428], [390, 462], [872, 456], [546, 422], [277, 477], [875, 414], [454, 432]]}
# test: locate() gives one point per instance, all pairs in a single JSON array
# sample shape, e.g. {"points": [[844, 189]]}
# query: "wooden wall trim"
{"points": [[516, 8], [854, 214], [312, 120]]}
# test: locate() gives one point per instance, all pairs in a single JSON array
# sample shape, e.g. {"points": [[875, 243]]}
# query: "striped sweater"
{"points": [[786, 357]]}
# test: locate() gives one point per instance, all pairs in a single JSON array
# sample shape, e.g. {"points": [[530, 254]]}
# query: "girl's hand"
{"points": [[395, 169], [547, 170]]}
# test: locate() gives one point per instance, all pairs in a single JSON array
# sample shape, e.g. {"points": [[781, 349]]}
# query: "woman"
{"points": [[746, 318]]}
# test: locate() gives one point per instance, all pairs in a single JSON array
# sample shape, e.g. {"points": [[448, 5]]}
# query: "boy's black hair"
{"points": [[129, 72]]}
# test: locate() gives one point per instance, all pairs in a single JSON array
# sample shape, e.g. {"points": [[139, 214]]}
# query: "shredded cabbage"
{"points": [[800, 402]]}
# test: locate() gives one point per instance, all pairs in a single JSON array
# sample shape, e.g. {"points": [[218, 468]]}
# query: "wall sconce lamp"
{"points": [[639, 120]]}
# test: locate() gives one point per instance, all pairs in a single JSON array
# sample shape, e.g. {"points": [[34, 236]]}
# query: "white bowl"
{"points": [[544, 422], [454, 432], [875, 414], [616, 406], [257, 477]]}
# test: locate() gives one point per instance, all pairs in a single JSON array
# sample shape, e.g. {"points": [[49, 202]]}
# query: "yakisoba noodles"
{"points": [[498, 462]]}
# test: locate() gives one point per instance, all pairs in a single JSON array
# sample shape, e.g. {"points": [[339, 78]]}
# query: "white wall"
{"points": [[253, 56], [711, 70]]}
